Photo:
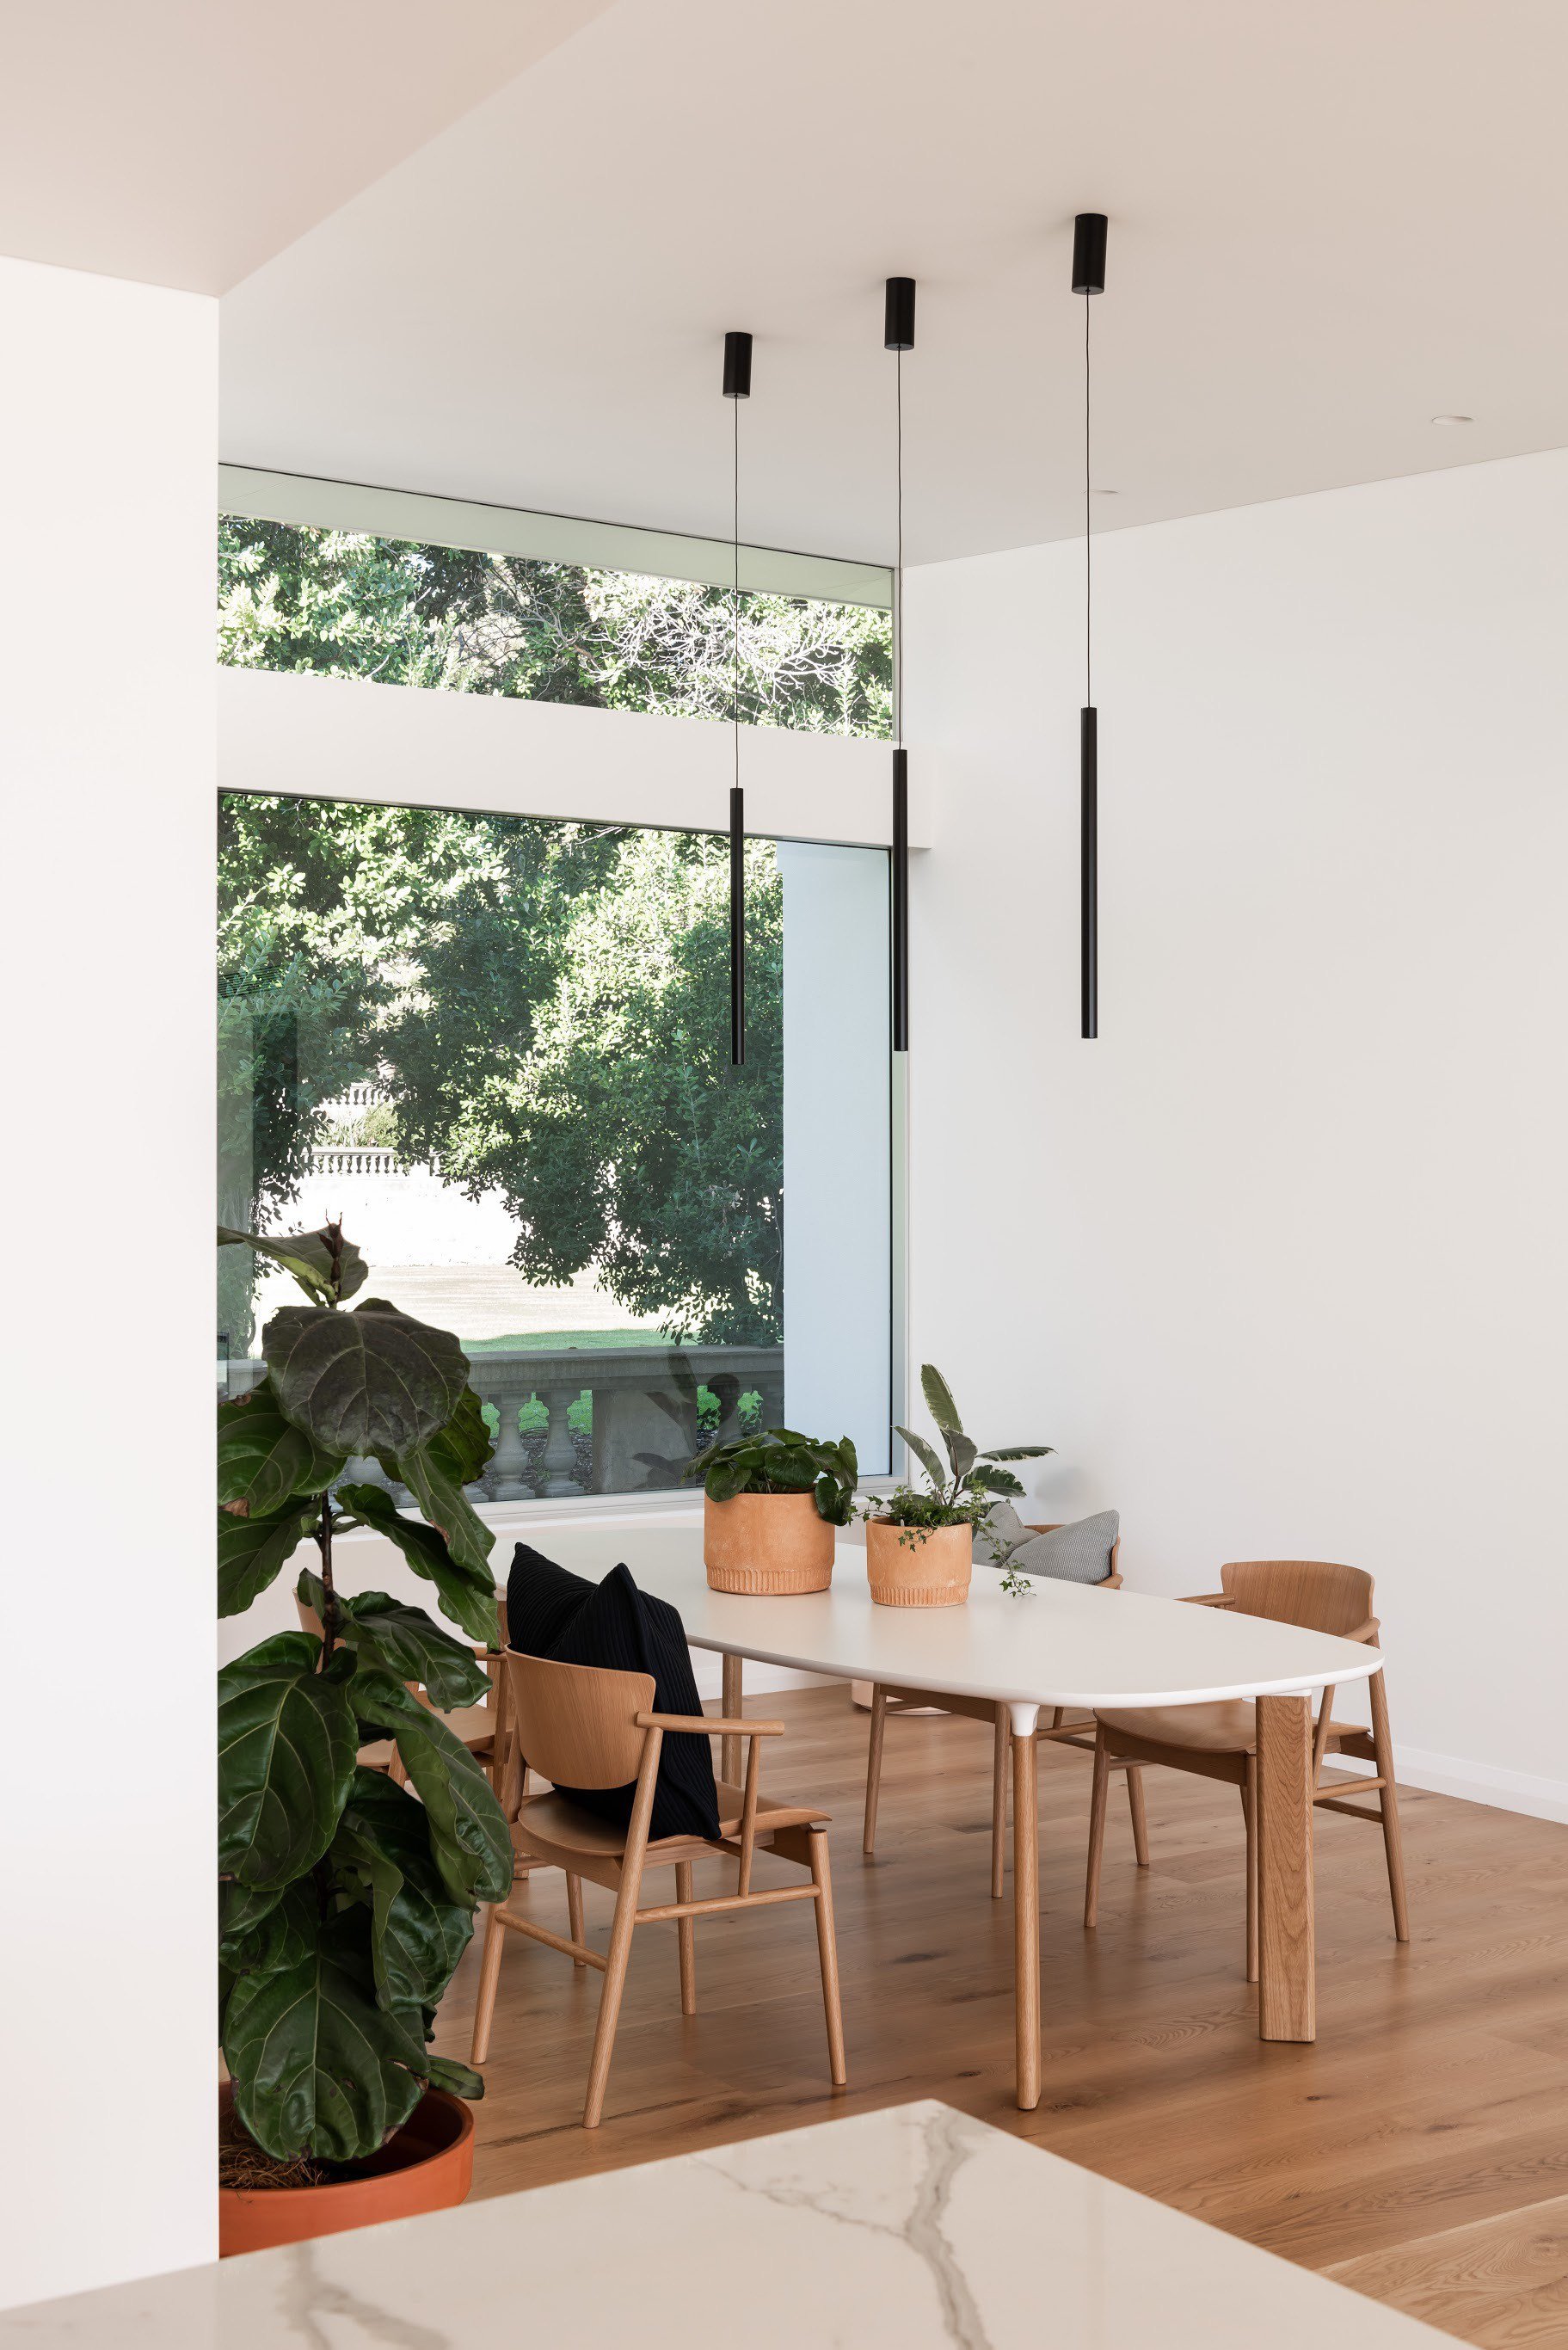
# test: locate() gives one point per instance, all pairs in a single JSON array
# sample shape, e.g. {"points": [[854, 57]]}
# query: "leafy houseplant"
{"points": [[346, 1900], [771, 1503], [937, 1526]]}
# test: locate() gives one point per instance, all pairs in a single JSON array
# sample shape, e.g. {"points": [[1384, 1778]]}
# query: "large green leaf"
{"points": [[989, 1480], [938, 1400], [433, 1474], [469, 1841], [467, 1593], [262, 1459], [317, 2067], [466, 1443], [262, 1929], [371, 1381], [403, 1640], [287, 1744], [309, 1256], [417, 1931], [251, 1549], [458, 2080], [1018, 1452], [926, 1455]]}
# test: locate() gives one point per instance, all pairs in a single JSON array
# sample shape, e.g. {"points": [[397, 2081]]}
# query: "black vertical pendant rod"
{"points": [[737, 387], [899, 337], [1088, 278]]}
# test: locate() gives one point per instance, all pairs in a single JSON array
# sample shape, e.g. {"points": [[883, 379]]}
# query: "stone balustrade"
{"points": [[622, 1381]]}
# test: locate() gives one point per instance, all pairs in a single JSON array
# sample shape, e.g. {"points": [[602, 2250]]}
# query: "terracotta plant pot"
{"points": [[766, 1544], [915, 1566], [428, 2166]]}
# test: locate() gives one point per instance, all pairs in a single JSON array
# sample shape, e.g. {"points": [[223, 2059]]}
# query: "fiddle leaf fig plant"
{"points": [[780, 1461], [346, 1900], [961, 1492]]}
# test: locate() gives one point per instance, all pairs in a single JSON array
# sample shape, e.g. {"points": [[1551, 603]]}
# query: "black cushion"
{"points": [[550, 1612]]}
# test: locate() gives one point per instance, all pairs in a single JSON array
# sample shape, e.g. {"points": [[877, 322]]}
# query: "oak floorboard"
{"points": [[1417, 2149]]}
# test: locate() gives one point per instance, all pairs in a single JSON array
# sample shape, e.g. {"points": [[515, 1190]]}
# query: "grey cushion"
{"points": [[1080, 1553]]}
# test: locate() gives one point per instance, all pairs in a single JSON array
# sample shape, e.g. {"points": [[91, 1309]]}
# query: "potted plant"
{"points": [[919, 1546], [345, 1899], [770, 1504]]}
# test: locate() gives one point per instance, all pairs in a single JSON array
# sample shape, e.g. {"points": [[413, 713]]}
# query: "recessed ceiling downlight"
{"points": [[1453, 420]]}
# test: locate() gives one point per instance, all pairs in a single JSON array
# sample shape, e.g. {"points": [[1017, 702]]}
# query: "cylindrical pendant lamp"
{"points": [[737, 387], [899, 337], [1088, 278]]}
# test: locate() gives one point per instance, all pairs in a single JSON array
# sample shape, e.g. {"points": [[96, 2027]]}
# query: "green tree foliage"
{"points": [[344, 605], [545, 1002]]}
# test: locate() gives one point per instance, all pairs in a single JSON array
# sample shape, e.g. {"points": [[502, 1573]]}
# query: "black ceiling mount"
{"points": [[1089, 253]]}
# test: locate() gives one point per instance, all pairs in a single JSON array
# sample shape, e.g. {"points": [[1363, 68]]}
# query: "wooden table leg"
{"points": [[1287, 1989], [1026, 1907], [730, 1748]]}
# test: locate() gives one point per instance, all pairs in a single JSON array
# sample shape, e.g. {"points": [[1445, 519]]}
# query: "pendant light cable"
{"points": [[898, 555], [1088, 526]]}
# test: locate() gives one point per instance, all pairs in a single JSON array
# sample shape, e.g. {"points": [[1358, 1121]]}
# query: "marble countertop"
{"points": [[914, 2227]]}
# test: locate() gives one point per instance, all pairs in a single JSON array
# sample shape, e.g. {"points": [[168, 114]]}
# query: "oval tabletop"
{"points": [[1060, 1644]]}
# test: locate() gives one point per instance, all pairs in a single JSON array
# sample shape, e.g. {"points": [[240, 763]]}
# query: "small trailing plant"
{"points": [[344, 1900], [781, 1461], [961, 1494]]}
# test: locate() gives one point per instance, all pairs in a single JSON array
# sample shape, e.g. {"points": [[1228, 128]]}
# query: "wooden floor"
{"points": [[1419, 2151]]}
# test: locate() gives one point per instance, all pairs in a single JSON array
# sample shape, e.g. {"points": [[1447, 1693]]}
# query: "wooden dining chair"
{"points": [[584, 1726], [482, 1728], [1078, 1731], [1218, 1740]]}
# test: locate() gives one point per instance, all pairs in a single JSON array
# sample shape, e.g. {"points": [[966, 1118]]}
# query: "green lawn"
{"points": [[550, 1342]]}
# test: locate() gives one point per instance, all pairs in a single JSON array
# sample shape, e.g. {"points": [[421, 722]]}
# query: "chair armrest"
{"points": [[1368, 1632], [711, 1725], [1206, 1600]]}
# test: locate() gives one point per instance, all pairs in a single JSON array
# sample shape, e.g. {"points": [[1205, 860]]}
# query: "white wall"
{"points": [[1279, 1262], [107, 446]]}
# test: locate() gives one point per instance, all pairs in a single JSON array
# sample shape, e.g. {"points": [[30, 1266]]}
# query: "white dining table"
{"points": [[1059, 1643]]}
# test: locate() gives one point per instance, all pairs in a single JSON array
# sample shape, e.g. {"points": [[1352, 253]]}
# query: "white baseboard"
{"points": [[1482, 1782]]}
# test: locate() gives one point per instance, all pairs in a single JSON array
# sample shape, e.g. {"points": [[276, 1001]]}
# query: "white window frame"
{"points": [[411, 516]]}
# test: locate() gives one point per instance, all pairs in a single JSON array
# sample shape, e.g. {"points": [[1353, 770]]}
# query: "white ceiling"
{"points": [[1329, 223], [183, 141]]}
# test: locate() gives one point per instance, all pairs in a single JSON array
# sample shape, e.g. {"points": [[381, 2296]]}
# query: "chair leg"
{"points": [[1249, 1813], [827, 1955], [1140, 1817], [686, 1935], [621, 1931], [999, 1801], [874, 1765], [1389, 1807], [575, 1914], [489, 1980], [1097, 1828]]}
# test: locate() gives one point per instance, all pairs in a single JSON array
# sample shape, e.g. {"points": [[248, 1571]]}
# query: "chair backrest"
{"points": [[1311, 1592], [576, 1724]]}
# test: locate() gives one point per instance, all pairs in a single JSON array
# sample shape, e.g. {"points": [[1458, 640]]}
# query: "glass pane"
{"points": [[497, 1049], [292, 597]]}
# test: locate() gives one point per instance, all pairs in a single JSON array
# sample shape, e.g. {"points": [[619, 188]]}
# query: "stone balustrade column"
{"points": [[560, 1462], [507, 1478]]}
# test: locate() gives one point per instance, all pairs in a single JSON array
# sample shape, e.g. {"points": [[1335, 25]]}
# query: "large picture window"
{"points": [[498, 1047]]}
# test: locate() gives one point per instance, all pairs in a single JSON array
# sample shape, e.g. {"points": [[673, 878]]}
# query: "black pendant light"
{"points": [[737, 387], [1088, 278], [899, 337]]}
